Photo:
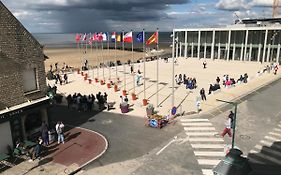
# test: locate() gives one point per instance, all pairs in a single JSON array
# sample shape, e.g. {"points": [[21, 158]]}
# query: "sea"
{"points": [[67, 40]]}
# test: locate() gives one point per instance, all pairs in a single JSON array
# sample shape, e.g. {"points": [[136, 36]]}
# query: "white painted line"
{"points": [[272, 138], [162, 149], [275, 134], [268, 150], [277, 129], [201, 133], [208, 145], [197, 124], [207, 172], [199, 128], [279, 125], [266, 157], [206, 139], [194, 120], [209, 153], [208, 161]]}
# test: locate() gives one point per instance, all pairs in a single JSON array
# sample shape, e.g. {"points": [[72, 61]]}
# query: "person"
{"points": [[132, 69], [37, 149], [202, 93], [59, 130], [198, 105], [228, 125], [56, 66], [275, 69], [218, 80], [204, 64], [65, 78], [45, 135]]}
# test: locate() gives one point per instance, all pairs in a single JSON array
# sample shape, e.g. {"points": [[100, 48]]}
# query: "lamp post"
{"points": [[234, 119]]}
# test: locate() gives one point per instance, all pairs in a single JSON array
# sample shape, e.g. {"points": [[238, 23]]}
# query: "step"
{"points": [[201, 133], [208, 146], [209, 153], [197, 124], [277, 129], [275, 134], [194, 120], [199, 128]]}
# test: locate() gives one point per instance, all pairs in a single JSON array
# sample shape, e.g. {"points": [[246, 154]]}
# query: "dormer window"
{"points": [[30, 82]]}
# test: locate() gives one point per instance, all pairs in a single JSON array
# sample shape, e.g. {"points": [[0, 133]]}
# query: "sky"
{"points": [[72, 16]]}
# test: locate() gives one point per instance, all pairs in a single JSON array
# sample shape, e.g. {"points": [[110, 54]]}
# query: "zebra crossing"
{"points": [[268, 151], [208, 147]]}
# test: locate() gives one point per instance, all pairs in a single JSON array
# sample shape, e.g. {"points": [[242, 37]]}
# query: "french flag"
{"points": [[113, 37]]}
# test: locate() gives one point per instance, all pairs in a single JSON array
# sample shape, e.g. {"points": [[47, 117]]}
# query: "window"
{"points": [[29, 80]]}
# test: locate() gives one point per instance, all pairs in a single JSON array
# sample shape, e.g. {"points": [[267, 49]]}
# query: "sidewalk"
{"points": [[81, 146]]}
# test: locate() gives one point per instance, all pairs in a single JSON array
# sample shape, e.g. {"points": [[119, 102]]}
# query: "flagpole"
{"points": [[102, 57], [173, 69], [124, 68], [133, 63], [115, 58], [109, 69], [98, 59], [157, 69], [144, 60]]}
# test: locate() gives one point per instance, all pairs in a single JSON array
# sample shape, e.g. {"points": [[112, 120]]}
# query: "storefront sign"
{"points": [[10, 114]]}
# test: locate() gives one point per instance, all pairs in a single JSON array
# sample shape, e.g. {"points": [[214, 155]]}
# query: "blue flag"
{"points": [[140, 37]]}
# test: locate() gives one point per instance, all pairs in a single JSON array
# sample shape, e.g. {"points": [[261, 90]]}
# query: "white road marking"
{"points": [[275, 134], [207, 171], [201, 133], [197, 124], [194, 120], [208, 161], [208, 145], [199, 128], [209, 153], [206, 140], [272, 138]]}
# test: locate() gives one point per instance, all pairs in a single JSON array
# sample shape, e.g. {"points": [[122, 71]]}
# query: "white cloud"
{"points": [[267, 3], [232, 4]]}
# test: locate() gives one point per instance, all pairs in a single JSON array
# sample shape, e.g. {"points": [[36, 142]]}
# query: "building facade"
{"points": [[23, 103], [251, 40]]}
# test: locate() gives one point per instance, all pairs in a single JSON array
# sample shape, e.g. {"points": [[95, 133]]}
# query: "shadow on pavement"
{"points": [[267, 161]]}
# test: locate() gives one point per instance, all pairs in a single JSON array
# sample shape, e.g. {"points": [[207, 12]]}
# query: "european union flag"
{"points": [[140, 37]]}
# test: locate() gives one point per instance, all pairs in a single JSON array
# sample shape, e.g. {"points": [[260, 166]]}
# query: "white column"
{"points": [[205, 50], [228, 45], [278, 53], [198, 47], [265, 43], [213, 45], [219, 50], [268, 52], [192, 47], [177, 46], [241, 54], [180, 49], [185, 44], [259, 53], [250, 52], [246, 45], [233, 53]]}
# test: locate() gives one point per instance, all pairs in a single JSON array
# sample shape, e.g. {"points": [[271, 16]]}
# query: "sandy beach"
{"points": [[74, 57]]}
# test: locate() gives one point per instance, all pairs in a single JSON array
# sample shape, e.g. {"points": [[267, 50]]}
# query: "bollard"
{"points": [[134, 96], [90, 81], [115, 88], [108, 85], [124, 92], [144, 102]]}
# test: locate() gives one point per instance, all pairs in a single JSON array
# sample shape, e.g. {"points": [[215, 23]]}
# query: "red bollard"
{"points": [[90, 81]]}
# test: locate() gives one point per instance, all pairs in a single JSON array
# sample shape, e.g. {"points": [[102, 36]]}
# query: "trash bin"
{"points": [[233, 164], [51, 135]]}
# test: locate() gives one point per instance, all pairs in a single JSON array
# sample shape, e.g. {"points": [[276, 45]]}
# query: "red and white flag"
{"points": [[128, 37], [84, 37], [100, 37], [95, 37], [91, 39], [77, 37]]}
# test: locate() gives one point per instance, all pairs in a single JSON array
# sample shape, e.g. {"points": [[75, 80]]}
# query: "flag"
{"points": [[104, 37], [95, 37], [91, 39], [84, 37], [77, 37], [140, 37], [152, 39], [128, 37], [118, 38], [100, 36], [113, 37]]}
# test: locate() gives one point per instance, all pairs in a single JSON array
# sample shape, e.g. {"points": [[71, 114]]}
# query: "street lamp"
{"points": [[234, 119]]}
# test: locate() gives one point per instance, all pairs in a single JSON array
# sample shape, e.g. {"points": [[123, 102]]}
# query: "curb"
{"points": [[98, 156]]}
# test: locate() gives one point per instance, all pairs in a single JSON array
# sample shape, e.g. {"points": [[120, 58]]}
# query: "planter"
{"points": [[85, 78], [78, 71], [97, 80], [134, 96], [144, 102], [82, 73], [86, 75], [108, 85], [90, 81], [124, 92], [115, 88], [102, 82]]}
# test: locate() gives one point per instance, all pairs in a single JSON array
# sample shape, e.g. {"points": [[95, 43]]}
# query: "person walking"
{"points": [[204, 64], [59, 130], [44, 133], [228, 125], [202, 93]]}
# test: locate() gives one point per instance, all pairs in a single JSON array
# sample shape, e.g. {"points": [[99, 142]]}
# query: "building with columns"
{"points": [[248, 40]]}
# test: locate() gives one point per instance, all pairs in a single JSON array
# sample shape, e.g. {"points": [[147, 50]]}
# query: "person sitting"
{"points": [[240, 79], [180, 79], [124, 106], [245, 78]]}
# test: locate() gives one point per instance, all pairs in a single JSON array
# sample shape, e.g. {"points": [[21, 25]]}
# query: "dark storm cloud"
{"points": [[89, 15]]}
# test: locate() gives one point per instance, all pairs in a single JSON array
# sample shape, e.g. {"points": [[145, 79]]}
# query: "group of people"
{"points": [[86, 103], [190, 83]]}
